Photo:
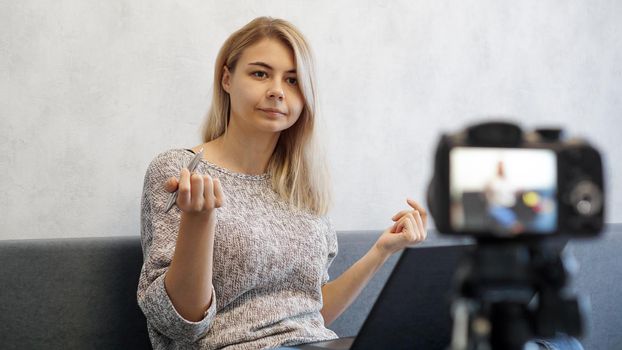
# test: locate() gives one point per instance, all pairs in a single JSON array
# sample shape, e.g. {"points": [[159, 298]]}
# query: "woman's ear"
{"points": [[226, 79]]}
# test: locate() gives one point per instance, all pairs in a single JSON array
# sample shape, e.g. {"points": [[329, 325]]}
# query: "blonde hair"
{"points": [[297, 167]]}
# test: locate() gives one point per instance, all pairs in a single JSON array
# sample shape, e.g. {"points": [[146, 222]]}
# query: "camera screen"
{"points": [[506, 191]]}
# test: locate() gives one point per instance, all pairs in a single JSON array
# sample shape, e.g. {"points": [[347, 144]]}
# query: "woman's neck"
{"points": [[240, 152]]}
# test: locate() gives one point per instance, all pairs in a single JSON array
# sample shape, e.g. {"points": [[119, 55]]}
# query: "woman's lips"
{"points": [[272, 112]]}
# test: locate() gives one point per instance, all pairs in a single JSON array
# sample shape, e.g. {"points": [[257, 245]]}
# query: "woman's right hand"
{"points": [[198, 194], [188, 280]]}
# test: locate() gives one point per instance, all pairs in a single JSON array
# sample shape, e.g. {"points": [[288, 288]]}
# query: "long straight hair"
{"points": [[298, 167]]}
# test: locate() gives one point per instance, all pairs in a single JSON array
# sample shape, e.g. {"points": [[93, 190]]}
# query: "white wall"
{"points": [[92, 90]]}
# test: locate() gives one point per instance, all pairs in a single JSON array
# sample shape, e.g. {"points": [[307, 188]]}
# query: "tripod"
{"points": [[507, 293]]}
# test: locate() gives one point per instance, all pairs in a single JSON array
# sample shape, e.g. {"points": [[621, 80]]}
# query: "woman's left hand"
{"points": [[409, 228]]}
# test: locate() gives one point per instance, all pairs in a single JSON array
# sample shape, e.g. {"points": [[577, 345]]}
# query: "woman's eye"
{"points": [[292, 81], [259, 74]]}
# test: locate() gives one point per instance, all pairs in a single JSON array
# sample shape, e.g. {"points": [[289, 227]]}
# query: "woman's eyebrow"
{"points": [[267, 66]]}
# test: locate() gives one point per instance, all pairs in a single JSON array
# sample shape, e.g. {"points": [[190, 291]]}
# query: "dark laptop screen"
{"points": [[412, 311]]}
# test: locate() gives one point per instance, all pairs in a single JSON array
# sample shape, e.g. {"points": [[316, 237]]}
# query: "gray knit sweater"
{"points": [[270, 262]]}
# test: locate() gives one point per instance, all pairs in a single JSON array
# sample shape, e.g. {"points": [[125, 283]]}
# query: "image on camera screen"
{"points": [[505, 191]]}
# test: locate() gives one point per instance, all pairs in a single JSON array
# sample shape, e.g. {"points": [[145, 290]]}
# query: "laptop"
{"points": [[412, 310]]}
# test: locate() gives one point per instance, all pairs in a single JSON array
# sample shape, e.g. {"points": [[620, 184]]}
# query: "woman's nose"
{"points": [[276, 92]]}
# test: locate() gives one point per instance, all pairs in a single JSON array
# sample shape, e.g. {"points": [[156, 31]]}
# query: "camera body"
{"points": [[492, 180]]}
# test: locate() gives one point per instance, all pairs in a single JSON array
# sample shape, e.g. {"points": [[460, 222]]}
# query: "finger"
{"points": [[405, 228], [171, 184], [400, 214], [208, 192], [417, 233], [415, 205], [405, 211], [419, 221], [219, 196], [420, 224], [183, 194], [399, 226], [394, 228], [196, 190], [422, 212], [410, 233], [409, 229]]}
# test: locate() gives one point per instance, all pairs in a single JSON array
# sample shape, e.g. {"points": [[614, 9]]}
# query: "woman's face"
{"points": [[263, 87]]}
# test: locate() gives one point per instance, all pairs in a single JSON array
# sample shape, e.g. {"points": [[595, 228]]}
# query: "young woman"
{"points": [[241, 261]]}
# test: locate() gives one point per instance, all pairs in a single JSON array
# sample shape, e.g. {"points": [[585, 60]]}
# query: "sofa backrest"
{"points": [[599, 281], [71, 294]]}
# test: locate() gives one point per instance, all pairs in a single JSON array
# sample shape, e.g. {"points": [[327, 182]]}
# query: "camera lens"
{"points": [[586, 198]]}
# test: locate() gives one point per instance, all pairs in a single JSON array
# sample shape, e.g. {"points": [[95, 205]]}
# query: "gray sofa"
{"points": [[81, 293]]}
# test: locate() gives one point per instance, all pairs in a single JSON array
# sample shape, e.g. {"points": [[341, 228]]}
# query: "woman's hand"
{"points": [[188, 280], [409, 228], [198, 194]]}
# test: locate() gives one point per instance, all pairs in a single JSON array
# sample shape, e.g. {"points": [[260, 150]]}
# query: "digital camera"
{"points": [[494, 180]]}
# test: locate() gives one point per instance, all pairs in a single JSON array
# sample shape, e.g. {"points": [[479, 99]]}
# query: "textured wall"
{"points": [[92, 90]]}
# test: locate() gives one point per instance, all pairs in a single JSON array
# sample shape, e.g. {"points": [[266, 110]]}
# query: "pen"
{"points": [[193, 165]]}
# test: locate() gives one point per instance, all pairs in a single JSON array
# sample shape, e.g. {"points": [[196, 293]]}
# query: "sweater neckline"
{"points": [[244, 176]]}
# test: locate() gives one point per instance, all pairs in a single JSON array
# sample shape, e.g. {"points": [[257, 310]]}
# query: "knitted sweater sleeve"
{"points": [[331, 243], [158, 237]]}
